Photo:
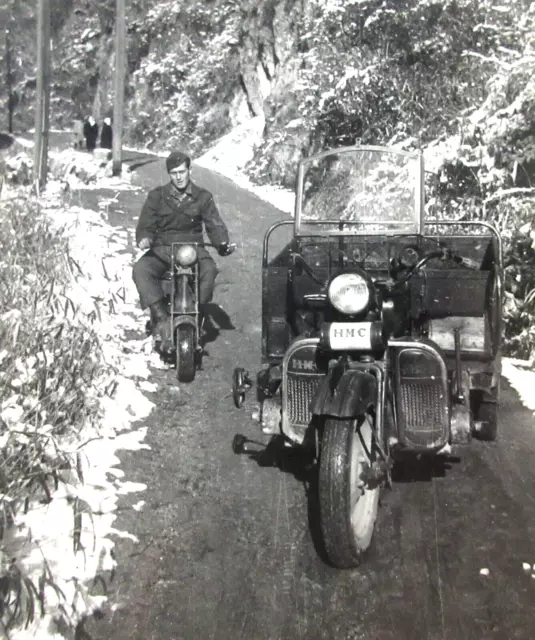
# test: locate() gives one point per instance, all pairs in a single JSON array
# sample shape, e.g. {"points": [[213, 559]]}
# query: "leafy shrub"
{"points": [[50, 361]]}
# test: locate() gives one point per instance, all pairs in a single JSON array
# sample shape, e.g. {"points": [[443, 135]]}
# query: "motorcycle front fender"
{"points": [[183, 320], [345, 395], [183, 299]]}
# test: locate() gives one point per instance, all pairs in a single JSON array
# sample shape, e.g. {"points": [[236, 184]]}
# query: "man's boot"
{"points": [[161, 324]]}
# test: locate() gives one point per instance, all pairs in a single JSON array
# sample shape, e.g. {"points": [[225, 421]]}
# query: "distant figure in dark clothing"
{"points": [[106, 134], [90, 133]]}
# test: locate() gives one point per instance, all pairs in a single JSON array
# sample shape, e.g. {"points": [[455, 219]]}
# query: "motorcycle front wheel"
{"points": [[347, 505], [185, 353]]}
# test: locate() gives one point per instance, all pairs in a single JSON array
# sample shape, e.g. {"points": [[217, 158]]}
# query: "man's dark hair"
{"points": [[175, 159]]}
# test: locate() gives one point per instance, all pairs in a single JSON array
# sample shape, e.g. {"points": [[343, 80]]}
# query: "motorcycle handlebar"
{"points": [[443, 254], [231, 247]]}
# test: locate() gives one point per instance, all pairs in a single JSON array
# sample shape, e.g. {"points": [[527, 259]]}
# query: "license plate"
{"points": [[350, 336]]}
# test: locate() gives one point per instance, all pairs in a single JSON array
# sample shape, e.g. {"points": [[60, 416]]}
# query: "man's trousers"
{"points": [[149, 269]]}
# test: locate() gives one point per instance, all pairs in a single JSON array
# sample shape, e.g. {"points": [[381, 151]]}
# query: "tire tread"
{"points": [[338, 538]]}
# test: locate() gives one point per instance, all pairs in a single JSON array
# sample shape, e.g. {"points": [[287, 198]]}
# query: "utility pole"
{"points": [[9, 83], [118, 104], [42, 108], [46, 101]]}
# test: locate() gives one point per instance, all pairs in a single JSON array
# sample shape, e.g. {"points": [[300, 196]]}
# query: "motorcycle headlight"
{"points": [[186, 255], [349, 293]]}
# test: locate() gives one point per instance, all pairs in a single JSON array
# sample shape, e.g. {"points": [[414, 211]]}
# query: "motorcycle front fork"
{"points": [[185, 298]]}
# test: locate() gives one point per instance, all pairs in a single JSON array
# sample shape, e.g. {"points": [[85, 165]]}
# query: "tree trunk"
{"points": [[120, 69]]}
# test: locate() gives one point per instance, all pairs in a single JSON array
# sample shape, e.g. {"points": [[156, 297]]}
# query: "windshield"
{"points": [[360, 190]]}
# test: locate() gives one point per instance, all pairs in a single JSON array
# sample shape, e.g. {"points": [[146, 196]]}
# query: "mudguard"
{"points": [[345, 394], [179, 320], [184, 299]]}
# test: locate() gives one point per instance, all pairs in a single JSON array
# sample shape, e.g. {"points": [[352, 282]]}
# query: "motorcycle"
{"points": [[381, 334], [181, 288]]}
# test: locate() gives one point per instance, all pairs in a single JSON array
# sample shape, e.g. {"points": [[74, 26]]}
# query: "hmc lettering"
{"points": [[303, 365], [349, 332]]}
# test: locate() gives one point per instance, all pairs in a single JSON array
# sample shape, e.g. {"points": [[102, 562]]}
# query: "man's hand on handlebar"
{"points": [[145, 244], [225, 249]]}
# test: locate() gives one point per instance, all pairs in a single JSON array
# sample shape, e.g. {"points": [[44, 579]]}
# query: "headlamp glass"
{"points": [[186, 255], [349, 293]]}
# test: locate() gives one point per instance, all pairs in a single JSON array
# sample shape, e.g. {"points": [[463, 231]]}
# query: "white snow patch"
{"points": [[139, 505], [521, 376], [159, 154], [150, 387], [124, 534], [24, 143]]}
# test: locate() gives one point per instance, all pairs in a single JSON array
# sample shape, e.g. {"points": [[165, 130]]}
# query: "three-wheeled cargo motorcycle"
{"points": [[381, 332]]}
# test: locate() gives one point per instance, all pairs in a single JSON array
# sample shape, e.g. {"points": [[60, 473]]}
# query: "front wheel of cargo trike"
{"points": [[348, 507], [185, 353]]}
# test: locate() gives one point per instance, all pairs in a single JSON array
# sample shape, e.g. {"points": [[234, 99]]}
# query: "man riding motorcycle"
{"points": [[176, 212]]}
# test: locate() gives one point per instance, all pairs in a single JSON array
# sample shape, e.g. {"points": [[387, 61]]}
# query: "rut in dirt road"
{"points": [[227, 545]]}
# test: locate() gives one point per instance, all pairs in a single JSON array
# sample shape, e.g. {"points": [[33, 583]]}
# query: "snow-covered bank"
{"points": [[233, 151], [82, 508]]}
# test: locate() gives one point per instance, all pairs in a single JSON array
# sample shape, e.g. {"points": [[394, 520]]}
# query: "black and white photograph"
{"points": [[267, 319]]}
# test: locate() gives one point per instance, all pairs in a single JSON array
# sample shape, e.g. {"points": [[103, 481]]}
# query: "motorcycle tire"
{"points": [[348, 508], [185, 353]]}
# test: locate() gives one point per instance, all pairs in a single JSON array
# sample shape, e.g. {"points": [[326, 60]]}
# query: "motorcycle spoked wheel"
{"points": [[185, 353], [348, 508]]}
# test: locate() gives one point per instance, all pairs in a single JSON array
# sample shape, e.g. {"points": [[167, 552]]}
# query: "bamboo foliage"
{"points": [[53, 376]]}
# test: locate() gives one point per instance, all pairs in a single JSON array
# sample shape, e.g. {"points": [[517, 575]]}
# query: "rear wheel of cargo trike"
{"points": [[486, 420], [185, 353], [484, 407], [348, 507]]}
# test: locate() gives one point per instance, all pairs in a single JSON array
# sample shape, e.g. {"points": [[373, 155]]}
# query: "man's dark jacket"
{"points": [[106, 136], [168, 216]]}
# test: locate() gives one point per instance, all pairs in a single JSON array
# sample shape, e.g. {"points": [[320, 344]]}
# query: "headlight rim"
{"points": [[363, 281]]}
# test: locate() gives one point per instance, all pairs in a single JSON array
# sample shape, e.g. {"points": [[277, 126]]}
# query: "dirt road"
{"points": [[227, 548]]}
